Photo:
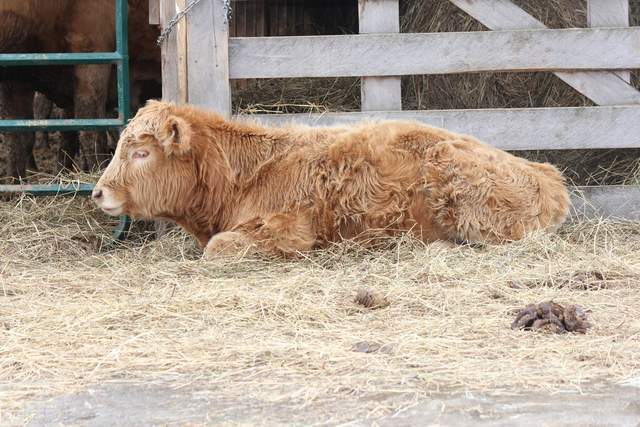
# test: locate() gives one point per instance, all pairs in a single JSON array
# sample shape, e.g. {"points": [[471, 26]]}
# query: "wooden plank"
{"points": [[434, 53], [273, 20], [250, 17], [154, 12], [308, 22], [609, 13], [380, 93], [181, 33], [509, 129], [602, 87], [208, 57], [169, 54], [283, 19], [240, 15], [242, 26], [298, 28], [378, 16], [606, 201], [261, 19], [169, 60]]}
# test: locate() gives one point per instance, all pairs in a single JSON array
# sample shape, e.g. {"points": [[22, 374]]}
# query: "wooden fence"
{"points": [[200, 59]]}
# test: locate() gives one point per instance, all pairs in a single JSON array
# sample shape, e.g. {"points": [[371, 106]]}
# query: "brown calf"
{"points": [[281, 190]]}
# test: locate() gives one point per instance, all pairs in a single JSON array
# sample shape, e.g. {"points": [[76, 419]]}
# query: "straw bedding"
{"points": [[75, 311]]}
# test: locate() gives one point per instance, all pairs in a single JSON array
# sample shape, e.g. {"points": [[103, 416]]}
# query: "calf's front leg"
{"points": [[282, 235], [229, 243]]}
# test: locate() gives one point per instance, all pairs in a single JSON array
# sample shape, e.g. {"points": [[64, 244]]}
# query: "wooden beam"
{"points": [[169, 58], [154, 12], [434, 53], [609, 13], [602, 87], [208, 58], [509, 129], [169, 53], [380, 93], [181, 31]]}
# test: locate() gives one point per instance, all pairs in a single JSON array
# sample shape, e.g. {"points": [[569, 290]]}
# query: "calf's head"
{"points": [[154, 169]]}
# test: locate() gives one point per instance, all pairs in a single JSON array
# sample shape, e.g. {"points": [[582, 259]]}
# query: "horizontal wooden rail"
{"points": [[29, 59], [602, 87], [434, 53], [509, 129], [620, 201]]}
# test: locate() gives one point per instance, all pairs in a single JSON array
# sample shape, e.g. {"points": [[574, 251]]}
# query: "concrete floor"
{"points": [[132, 404]]}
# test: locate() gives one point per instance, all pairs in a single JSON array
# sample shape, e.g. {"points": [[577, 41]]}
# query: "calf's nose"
{"points": [[96, 194]]}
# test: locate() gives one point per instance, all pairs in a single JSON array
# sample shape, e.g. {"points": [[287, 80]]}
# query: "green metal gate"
{"points": [[121, 59]]}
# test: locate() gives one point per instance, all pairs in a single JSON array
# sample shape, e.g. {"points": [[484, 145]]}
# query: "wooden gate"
{"points": [[200, 59]]}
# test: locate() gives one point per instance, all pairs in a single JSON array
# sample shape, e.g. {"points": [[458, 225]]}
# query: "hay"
{"points": [[74, 313]]}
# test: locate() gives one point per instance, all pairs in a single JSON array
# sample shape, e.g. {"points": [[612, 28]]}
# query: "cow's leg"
{"points": [[42, 108], [282, 235], [90, 97], [16, 102], [286, 234], [229, 243], [69, 147]]}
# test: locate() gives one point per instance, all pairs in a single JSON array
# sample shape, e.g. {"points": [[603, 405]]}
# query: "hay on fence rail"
{"points": [[73, 313]]}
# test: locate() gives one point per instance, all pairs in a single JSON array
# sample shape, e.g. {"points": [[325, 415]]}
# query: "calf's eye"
{"points": [[140, 154]]}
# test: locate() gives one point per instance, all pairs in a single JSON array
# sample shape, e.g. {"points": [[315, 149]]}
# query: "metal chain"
{"points": [[228, 11], [180, 15]]}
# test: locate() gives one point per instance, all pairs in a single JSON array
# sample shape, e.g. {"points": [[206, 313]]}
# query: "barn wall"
{"points": [[293, 17]]}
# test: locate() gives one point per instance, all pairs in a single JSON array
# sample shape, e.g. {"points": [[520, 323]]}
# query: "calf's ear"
{"points": [[175, 136]]}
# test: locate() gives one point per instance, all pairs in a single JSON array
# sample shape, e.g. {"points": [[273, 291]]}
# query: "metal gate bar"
{"points": [[121, 59]]}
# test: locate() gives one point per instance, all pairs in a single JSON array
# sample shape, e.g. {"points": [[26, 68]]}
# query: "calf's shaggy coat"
{"points": [[234, 185]]}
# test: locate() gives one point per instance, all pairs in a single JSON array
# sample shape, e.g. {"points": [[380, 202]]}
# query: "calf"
{"points": [[234, 185]]}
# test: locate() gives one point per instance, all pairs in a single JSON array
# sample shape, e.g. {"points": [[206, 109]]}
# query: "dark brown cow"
{"points": [[68, 26]]}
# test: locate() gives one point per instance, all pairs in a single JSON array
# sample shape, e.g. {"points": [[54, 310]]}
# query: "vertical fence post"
{"points": [[169, 52], [609, 13], [380, 93], [170, 76], [154, 12], [181, 34], [122, 47], [124, 97], [208, 57]]}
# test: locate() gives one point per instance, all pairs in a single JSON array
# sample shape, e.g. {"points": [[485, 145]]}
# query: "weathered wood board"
{"points": [[510, 129], [434, 53], [609, 13], [208, 57], [602, 87], [606, 201], [380, 93]]}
